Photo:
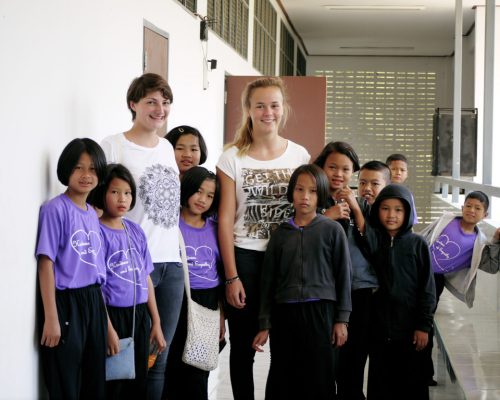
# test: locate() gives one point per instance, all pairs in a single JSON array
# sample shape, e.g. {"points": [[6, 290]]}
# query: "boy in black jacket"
{"points": [[404, 303]]}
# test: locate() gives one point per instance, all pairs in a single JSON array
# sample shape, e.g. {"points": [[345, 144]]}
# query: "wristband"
{"points": [[231, 280]]}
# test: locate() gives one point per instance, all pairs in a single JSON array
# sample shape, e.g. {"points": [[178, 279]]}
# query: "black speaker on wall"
{"points": [[442, 142]]}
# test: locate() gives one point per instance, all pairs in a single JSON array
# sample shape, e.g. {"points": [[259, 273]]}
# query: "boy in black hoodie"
{"points": [[404, 303]]}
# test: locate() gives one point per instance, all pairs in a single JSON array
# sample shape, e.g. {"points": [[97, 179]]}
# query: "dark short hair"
{"points": [[379, 166], [98, 196], [174, 134], [396, 157], [191, 182], [71, 155], [481, 196], [317, 173], [145, 84], [338, 147]]}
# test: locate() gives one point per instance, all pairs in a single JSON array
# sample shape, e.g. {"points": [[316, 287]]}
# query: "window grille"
{"points": [[287, 47], [189, 4], [385, 112], [301, 63], [230, 21], [264, 44]]}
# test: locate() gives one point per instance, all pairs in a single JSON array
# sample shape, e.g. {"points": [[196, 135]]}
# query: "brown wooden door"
{"points": [[307, 122], [156, 58]]}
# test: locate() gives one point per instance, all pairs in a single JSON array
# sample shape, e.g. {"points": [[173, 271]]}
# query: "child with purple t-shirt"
{"points": [[456, 245], [71, 271], [128, 265], [199, 200]]}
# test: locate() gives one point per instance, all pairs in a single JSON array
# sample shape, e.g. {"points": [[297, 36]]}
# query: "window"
{"points": [[385, 112], [301, 63], [230, 22], [264, 38], [287, 46], [189, 4]]}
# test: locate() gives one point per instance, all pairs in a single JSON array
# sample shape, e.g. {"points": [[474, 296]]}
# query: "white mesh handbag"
{"points": [[203, 326]]}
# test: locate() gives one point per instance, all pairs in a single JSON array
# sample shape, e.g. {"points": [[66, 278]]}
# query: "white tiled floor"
{"points": [[472, 339], [220, 384]]}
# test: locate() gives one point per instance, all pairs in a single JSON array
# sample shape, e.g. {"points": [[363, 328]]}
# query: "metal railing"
{"points": [[443, 184]]}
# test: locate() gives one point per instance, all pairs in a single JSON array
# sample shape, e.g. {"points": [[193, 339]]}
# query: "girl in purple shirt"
{"points": [[71, 271], [199, 200], [126, 254]]}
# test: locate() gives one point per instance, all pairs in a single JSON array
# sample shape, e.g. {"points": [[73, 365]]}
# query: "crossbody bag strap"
{"points": [[184, 265], [131, 257]]}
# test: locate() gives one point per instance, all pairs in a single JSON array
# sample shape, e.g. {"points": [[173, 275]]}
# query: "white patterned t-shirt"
{"points": [[158, 192]]}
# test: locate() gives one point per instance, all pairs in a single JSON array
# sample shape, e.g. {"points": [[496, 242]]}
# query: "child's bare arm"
{"points": [[113, 340], [222, 331], [51, 333], [156, 334]]}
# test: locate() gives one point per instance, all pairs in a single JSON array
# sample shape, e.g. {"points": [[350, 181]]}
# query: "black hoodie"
{"points": [[406, 298], [306, 263]]}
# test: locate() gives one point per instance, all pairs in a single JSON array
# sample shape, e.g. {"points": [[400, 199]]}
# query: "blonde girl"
{"points": [[253, 172]]}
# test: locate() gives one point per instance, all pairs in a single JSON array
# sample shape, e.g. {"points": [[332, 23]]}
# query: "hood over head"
{"points": [[394, 191]]}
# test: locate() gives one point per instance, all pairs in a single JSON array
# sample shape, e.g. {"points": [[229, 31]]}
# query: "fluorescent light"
{"points": [[377, 47], [334, 7]]}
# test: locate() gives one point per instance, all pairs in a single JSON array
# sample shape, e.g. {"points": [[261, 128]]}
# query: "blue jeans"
{"points": [[168, 280]]}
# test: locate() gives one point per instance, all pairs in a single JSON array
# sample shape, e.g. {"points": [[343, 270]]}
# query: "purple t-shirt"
{"points": [[71, 238], [119, 288], [452, 250], [202, 251]]}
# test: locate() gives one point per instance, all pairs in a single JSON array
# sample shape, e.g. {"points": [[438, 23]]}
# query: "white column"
{"points": [[457, 98]]}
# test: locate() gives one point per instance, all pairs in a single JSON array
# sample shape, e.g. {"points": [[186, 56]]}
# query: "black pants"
{"points": [[429, 365], [75, 368], [302, 364], [243, 324], [396, 372], [185, 381], [354, 353], [121, 318]]}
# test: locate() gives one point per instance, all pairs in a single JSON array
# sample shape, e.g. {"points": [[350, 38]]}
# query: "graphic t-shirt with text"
{"points": [[261, 203]]}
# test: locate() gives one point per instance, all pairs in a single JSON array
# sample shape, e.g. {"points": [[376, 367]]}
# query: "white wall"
{"points": [[65, 69]]}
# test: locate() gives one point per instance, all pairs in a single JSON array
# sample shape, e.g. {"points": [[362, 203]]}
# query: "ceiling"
{"points": [[421, 28]]}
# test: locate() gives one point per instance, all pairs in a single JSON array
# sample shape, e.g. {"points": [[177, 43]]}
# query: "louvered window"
{"points": [[264, 37], [287, 46], [189, 4], [301, 63], [384, 112], [229, 19]]}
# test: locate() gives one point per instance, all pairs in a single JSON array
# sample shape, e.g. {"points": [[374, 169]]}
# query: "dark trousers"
{"points": [[396, 372], [243, 324], [186, 381], [75, 368], [121, 318], [354, 353], [302, 364], [429, 365]]}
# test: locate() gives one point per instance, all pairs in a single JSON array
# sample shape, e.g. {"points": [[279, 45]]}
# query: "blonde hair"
{"points": [[243, 138]]}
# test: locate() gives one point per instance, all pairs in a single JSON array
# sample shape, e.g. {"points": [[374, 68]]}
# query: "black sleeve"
{"points": [[371, 240], [268, 281], [342, 270], [426, 298], [490, 258]]}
